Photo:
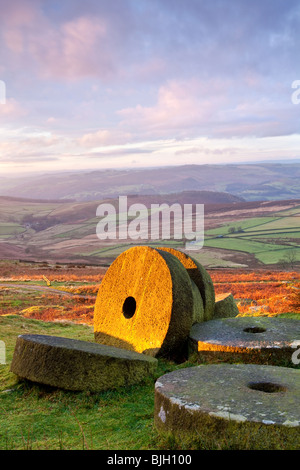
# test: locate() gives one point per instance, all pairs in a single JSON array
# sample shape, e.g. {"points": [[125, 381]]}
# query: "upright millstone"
{"points": [[145, 303], [201, 279]]}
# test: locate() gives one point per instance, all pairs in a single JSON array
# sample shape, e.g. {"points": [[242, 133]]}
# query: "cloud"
{"points": [[30, 148], [104, 137], [207, 151], [70, 49], [150, 39], [11, 109], [105, 75], [180, 108], [116, 153], [123, 40], [218, 108]]}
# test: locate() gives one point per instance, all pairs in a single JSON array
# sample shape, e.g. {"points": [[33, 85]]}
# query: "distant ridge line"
{"points": [[38, 201]]}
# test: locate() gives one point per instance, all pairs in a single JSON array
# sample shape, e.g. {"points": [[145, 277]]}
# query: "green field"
{"points": [[77, 231], [270, 239], [8, 229], [44, 230], [244, 224], [274, 234]]}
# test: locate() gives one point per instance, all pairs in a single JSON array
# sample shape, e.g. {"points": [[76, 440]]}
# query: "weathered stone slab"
{"points": [[78, 365], [244, 404], [225, 306], [145, 303], [201, 279], [260, 340]]}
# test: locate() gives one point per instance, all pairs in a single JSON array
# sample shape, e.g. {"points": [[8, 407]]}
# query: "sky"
{"points": [[137, 83]]}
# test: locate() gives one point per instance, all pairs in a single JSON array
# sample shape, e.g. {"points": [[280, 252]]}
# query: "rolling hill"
{"points": [[237, 233], [251, 182]]}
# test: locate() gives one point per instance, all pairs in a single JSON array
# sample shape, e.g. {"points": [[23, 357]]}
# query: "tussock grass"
{"points": [[37, 417]]}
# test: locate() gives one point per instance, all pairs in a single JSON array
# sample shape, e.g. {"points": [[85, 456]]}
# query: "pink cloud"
{"points": [[72, 51], [16, 18], [74, 48], [31, 148], [14, 40], [11, 110], [181, 105], [19, 13], [104, 137]]}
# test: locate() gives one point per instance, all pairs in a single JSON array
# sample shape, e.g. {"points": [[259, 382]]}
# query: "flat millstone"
{"points": [[260, 340], [206, 401], [78, 365]]}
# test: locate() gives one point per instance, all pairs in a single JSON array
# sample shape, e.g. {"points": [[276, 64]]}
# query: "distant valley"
{"points": [[237, 233], [252, 213], [249, 182]]}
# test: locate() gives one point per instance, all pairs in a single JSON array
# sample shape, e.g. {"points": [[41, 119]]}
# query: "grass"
{"points": [[283, 223], [265, 252], [273, 234], [37, 417], [294, 316], [244, 224], [274, 256], [294, 211], [78, 232], [240, 244], [7, 229], [210, 258]]}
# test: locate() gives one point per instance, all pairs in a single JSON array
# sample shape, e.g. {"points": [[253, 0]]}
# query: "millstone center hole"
{"points": [[254, 329], [267, 387], [129, 307]]}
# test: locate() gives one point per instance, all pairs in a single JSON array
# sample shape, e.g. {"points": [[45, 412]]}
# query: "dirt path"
{"points": [[45, 289]]}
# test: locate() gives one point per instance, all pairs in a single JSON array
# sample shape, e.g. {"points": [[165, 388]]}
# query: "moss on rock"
{"points": [[202, 280], [145, 302], [250, 406], [78, 365], [225, 306], [259, 340]]}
